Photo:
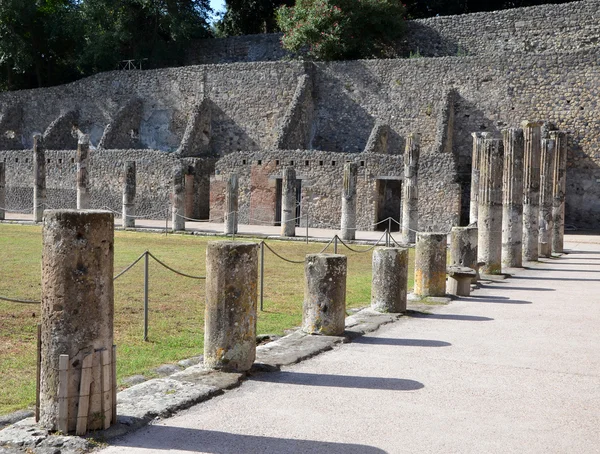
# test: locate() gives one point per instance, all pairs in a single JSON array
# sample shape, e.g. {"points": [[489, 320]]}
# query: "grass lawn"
{"points": [[176, 316]]}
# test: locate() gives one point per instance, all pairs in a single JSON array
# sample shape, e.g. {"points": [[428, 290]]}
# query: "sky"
{"points": [[217, 5]]}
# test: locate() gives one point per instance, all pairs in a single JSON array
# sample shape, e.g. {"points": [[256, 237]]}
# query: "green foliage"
{"points": [[247, 17], [341, 29]]}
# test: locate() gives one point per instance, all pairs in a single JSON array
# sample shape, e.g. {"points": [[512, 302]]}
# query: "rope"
{"points": [[282, 258], [327, 245], [129, 267], [15, 300], [366, 250], [173, 270], [16, 211]]}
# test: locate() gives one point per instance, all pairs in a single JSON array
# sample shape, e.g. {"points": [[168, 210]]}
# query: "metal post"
{"points": [[335, 241], [387, 238], [146, 260], [262, 273], [306, 228], [390, 226], [167, 222]]}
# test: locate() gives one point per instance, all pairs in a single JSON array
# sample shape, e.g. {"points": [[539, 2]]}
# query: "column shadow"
{"points": [[508, 287], [496, 300], [217, 442], [400, 342], [467, 318]]}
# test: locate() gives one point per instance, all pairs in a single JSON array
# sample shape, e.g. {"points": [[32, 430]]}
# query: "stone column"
{"points": [[489, 212], [189, 184], [2, 191], [288, 202], [463, 247], [430, 264], [231, 301], [474, 203], [129, 186], [231, 205], [559, 188], [348, 230], [512, 200], [410, 193], [531, 188], [83, 195], [39, 178], [77, 319], [390, 278], [546, 200], [178, 200], [324, 307]]}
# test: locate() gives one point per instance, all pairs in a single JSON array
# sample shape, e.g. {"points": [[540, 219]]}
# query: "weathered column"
{"points": [[129, 186], [348, 230], [512, 200], [410, 193], [531, 188], [178, 200], [2, 191], [288, 202], [231, 300], [463, 247], [489, 213], [189, 184], [474, 203], [231, 205], [430, 264], [83, 195], [39, 178], [324, 307], [548, 149], [390, 278], [77, 321], [559, 188]]}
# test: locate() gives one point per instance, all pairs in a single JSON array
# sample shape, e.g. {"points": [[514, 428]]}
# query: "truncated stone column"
{"points": [[178, 200], [512, 200], [348, 230], [531, 189], [474, 203], [430, 264], [324, 307], [390, 278], [546, 200], [288, 202], [559, 188], [2, 191], [231, 205], [77, 320], [489, 213], [129, 187], [463, 247], [410, 193], [39, 178], [231, 300], [83, 149]]}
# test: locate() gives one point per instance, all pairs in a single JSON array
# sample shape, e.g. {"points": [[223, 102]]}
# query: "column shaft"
{"points": [[348, 230], [545, 220], [178, 195], [531, 189], [512, 201], [129, 188], [430, 264], [559, 187], [474, 204], [410, 193], [231, 205], [39, 178], [390, 274], [288, 202], [83, 195], [2, 191]]}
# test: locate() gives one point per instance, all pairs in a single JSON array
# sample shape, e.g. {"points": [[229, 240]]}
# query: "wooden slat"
{"points": [[38, 373], [63, 394], [84, 394], [114, 384], [106, 388]]}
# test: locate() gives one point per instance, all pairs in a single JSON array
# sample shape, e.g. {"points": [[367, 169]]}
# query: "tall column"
{"points": [[129, 187], [531, 188], [83, 195], [489, 212], [231, 302], [546, 174], [390, 276], [39, 178], [77, 320], [178, 196], [288, 202], [430, 264], [2, 191], [559, 188], [348, 231], [231, 205], [474, 204], [512, 200], [324, 306], [410, 193]]}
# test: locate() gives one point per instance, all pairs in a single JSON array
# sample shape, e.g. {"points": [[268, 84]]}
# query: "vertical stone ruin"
{"points": [[39, 178], [410, 193], [83, 195], [178, 200], [129, 188], [531, 188], [473, 206], [231, 205], [430, 264], [288, 202], [390, 277], [348, 224], [559, 188], [2, 191], [512, 200], [548, 151]]}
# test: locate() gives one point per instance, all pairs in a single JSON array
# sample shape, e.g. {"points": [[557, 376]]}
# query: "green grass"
{"points": [[176, 315]]}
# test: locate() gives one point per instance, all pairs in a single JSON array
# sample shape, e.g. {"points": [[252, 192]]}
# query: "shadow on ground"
{"points": [[400, 342]]}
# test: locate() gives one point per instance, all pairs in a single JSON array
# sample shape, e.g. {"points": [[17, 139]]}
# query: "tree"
{"points": [[248, 17], [341, 29]]}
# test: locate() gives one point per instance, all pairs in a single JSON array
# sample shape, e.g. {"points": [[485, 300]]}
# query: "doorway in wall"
{"points": [[278, 200], [388, 203]]}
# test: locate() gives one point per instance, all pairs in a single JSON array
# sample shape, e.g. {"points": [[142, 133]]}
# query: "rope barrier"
{"points": [[366, 250], [130, 266], [282, 258], [15, 300], [173, 270], [16, 211]]}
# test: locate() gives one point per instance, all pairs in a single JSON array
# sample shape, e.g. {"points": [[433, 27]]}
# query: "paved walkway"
{"points": [[514, 368]]}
